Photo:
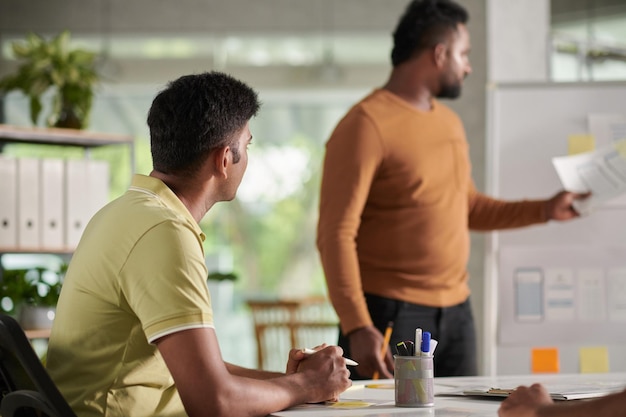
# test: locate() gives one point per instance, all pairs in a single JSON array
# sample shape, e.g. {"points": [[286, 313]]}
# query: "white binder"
{"points": [[28, 228], [8, 203], [98, 177], [52, 199], [76, 200], [86, 191]]}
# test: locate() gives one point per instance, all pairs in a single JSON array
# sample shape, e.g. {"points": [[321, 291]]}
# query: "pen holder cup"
{"points": [[414, 381]]}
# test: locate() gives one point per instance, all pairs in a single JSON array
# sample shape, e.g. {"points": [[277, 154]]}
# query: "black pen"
{"points": [[410, 347], [401, 349]]}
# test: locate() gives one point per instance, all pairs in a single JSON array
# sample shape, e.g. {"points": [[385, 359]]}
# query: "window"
{"points": [[588, 40]]}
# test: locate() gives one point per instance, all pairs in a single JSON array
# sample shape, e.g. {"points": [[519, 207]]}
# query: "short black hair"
{"points": [[424, 24], [194, 115]]}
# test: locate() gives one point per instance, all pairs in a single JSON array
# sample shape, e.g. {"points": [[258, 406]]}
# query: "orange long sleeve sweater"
{"points": [[397, 202]]}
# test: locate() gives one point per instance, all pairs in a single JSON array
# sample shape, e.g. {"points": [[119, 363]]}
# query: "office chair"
{"points": [[26, 389]]}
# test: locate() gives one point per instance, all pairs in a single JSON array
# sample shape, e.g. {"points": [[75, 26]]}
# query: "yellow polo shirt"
{"points": [[138, 274]]}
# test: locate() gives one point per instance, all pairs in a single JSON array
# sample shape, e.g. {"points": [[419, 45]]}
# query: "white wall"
{"points": [[518, 39]]}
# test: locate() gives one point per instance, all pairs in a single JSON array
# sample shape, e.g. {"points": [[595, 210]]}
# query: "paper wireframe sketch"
{"points": [[602, 172]]}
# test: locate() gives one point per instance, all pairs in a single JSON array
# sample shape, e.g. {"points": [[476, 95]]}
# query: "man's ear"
{"points": [[440, 52], [221, 159]]}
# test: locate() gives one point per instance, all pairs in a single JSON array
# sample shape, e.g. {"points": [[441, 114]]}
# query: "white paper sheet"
{"points": [[602, 172]]}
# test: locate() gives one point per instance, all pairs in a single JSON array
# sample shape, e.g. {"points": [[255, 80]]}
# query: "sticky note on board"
{"points": [[580, 143], [620, 146], [545, 360], [594, 359]]}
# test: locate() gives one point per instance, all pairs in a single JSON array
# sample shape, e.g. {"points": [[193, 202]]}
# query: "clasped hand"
{"points": [[326, 370]]}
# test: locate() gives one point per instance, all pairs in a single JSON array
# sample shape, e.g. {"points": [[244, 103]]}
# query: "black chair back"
{"points": [[26, 389]]}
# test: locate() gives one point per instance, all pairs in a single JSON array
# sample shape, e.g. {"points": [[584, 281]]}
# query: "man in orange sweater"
{"points": [[397, 202]]}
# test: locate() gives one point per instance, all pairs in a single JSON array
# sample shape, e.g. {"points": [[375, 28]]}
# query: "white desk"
{"points": [[451, 406]]}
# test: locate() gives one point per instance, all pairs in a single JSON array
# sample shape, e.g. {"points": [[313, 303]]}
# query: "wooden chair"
{"points": [[26, 389], [282, 324]]}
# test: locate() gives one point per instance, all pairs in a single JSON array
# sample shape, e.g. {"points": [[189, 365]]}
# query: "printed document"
{"points": [[602, 172]]}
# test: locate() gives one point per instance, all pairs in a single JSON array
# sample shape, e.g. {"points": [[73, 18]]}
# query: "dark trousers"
{"points": [[452, 327]]}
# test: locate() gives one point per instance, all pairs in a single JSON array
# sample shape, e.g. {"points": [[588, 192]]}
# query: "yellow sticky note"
{"points": [[350, 404], [545, 360], [620, 146], [594, 360], [380, 386], [580, 143]]}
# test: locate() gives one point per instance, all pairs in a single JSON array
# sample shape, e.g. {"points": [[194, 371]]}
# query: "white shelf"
{"points": [[57, 251], [62, 137], [57, 136]]}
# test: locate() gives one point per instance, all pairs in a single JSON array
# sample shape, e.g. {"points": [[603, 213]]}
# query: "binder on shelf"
{"points": [[8, 202], [76, 201], [86, 191], [98, 178], [28, 227], [52, 200]]}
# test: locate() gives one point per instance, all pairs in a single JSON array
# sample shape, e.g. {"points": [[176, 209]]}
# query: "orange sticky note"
{"points": [[545, 360], [594, 359]]}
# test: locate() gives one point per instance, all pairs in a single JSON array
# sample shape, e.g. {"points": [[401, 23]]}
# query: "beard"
{"points": [[450, 90]]}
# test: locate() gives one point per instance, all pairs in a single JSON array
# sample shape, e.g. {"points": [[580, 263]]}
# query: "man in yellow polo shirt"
{"points": [[134, 334]]}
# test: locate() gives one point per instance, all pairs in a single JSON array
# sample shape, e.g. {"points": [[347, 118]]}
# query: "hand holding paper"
{"points": [[562, 205], [602, 173]]}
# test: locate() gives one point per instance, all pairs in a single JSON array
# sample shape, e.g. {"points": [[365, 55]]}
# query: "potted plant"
{"points": [[32, 295], [71, 73], [222, 287]]}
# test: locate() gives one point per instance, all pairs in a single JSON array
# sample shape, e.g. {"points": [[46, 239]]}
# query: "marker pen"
{"points": [[425, 349], [418, 341]]}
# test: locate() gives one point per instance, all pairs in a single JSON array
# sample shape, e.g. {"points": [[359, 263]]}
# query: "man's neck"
{"points": [[410, 87], [191, 192]]}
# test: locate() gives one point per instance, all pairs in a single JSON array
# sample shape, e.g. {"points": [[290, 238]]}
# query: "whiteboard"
{"points": [[576, 269]]}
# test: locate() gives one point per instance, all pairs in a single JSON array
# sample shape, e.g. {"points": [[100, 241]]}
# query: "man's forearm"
{"points": [[251, 373]]}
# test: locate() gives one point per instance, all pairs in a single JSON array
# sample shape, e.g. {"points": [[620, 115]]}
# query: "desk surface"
{"points": [[381, 400]]}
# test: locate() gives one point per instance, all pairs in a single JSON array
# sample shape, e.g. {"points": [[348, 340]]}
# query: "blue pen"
{"points": [[425, 348]]}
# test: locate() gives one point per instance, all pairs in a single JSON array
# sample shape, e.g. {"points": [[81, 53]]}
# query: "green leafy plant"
{"points": [[71, 73], [30, 287], [221, 276]]}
